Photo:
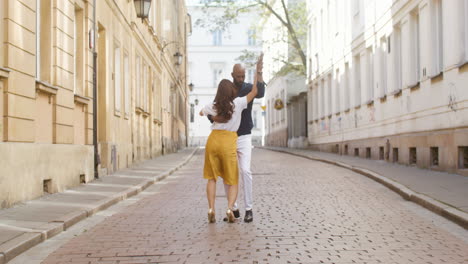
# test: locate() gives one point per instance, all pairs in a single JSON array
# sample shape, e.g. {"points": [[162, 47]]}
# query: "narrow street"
{"points": [[304, 212]]}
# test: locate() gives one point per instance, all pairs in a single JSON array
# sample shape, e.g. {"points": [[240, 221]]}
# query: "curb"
{"points": [[444, 210], [22, 243]]}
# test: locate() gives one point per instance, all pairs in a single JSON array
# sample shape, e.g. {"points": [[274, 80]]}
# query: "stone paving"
{"points": [[304, 212]]}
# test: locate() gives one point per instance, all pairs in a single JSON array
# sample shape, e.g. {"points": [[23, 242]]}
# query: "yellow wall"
{"points": [[49, 109]]}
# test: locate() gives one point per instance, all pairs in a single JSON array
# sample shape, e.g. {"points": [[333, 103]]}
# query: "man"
{"points": [[244, 140]]}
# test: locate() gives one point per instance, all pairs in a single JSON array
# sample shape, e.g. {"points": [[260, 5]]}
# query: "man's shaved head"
{"points": [[238, 75]]}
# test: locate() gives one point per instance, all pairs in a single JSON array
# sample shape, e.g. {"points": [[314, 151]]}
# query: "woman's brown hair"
{"points": [[223, 99]]}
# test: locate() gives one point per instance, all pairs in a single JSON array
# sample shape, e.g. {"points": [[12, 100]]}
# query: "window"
{"points": [[463, 157], [337, 91], [137, 82], [192, 113], [283, 111], [370, 75], [412, 156], [329, 95], [395, 155], [415, 48], [181, 104], [316, 100], [322, 98], [78, 58], [126, 80], [255, 125], [43, 40], [466, 30], [346, 88], [251, 41], [381, 153], [250, 76], [216, 77], [117, 80], [156, 96], [434, 156], [437, 38], [217, 37], [144, 104], [356, 16], [2, 29], [396, 52], [322, 29], [383, 67], [357, 80]]}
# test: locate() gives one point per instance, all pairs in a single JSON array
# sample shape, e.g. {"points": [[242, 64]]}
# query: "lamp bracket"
{"points": [[167, 44]]}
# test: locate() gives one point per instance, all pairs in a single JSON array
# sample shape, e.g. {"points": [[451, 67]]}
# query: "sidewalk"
{"points": [[443, 193], [26, 225]]}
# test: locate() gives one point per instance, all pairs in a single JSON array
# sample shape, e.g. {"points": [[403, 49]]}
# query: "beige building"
{"points": [[388, 81], [46, 88]]}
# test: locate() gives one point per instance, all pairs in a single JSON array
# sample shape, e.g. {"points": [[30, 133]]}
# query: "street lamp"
{"points": [[142, 8], [178, 56], [190, 86]]}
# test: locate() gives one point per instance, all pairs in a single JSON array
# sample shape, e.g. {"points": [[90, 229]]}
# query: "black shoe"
{"points": [[248, 216], [236, 215]]}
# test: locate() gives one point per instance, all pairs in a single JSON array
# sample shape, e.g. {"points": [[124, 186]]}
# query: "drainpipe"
{"points": [[95, 142]]}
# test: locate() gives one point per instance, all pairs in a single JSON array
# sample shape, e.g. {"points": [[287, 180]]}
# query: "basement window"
{"points": [[346, 149], [463, 157], [395, 155], [47, 186], [434, 156], [356, 152], [412, 156], [381, 153], [368, 153]]}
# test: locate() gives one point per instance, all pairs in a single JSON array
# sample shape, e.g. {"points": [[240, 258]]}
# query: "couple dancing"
{"points": [[229, 146]]}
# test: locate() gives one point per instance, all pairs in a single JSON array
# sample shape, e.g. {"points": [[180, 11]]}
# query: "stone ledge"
{"points": [[46, 88], [71, 218], [19, 245], [81, 99]]}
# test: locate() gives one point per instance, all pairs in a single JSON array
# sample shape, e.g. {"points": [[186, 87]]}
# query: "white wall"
{"points": [[415, 99], [204, 58]]}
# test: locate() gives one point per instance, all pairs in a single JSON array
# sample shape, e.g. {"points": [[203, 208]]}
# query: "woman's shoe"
{"points": [[230, 216], [211, 216]]}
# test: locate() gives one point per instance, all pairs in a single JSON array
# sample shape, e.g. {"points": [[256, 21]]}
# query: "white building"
{"points": [[388, 80], [211, 58], [285, 126]]}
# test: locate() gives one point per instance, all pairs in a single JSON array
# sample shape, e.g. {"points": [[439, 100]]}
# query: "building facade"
{"points": [[285, 99], [212, 57], [46, 87], [387, 80]]}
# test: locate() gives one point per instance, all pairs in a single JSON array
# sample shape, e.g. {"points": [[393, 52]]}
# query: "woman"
{"points": [[221, 147]]}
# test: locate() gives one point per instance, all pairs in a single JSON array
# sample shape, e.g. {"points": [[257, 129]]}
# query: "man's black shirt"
{"points": [[246, 124]]}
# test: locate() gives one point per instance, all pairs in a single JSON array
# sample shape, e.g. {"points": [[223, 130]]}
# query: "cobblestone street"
{"points": [[304, 212]]}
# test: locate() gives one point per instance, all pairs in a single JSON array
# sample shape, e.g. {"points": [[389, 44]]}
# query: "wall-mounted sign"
{"points": [[279, 104]]}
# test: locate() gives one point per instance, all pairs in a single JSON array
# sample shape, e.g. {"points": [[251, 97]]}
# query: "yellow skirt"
{"points": [[221, 157]]}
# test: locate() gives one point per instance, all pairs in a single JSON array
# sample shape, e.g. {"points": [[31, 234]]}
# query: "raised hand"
{"points": [[259, 72]]}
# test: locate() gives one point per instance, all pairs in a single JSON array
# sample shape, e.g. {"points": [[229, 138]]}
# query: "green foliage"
{"points": [[293, 18]]}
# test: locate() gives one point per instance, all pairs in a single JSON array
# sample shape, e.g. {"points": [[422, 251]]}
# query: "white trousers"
{"points": [[244, 154]]}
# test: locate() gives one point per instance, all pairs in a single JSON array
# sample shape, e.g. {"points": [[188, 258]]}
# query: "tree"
{"points": [[291, 15]]}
